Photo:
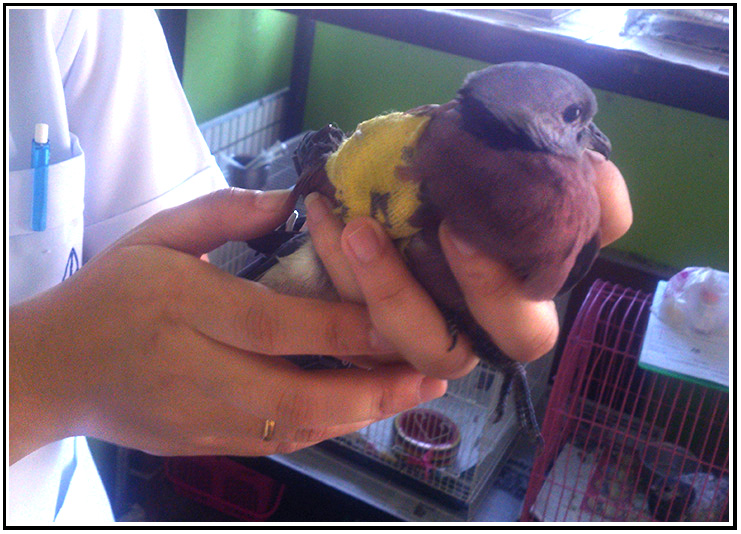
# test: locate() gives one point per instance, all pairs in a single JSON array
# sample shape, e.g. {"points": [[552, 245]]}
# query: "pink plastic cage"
{"points": [[225, 485], [624, 443]]}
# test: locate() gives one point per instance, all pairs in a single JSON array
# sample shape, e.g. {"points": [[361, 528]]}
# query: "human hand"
{"points": [[151, 348], [365, 266]]}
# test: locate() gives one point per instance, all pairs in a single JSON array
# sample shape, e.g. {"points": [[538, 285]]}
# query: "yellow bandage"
{"points": [[366, 171]]}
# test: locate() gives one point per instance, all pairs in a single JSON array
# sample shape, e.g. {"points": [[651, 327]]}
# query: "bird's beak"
{"points": [[600, 143]]}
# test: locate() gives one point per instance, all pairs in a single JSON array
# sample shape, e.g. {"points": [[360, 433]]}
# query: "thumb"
{"points": [[207, 222]]}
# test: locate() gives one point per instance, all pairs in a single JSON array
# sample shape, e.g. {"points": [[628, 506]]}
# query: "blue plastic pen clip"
{"points": [[40, 164]]}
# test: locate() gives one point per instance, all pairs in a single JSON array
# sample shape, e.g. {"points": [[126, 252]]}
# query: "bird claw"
{"points": [[453, 329], [513, 373], [525, 409], [503, 394], [515, 382]]}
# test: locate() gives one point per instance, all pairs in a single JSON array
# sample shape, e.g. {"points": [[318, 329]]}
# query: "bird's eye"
{"points": [[572, 113]]}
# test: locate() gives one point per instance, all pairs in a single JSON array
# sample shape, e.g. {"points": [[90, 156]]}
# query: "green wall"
{"points": [[355, 76], [675, 162], [234, 56], [676, 165]]}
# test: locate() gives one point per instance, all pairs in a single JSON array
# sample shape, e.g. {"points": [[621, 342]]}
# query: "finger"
{"points": [[326, 230], [252, 317], [207, 222], [523, 329], [246, 444], [399, 307], [305, 404], [617, 213]]}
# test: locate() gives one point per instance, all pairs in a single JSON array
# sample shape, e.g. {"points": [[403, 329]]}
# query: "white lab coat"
{"points": [[124, 145]]}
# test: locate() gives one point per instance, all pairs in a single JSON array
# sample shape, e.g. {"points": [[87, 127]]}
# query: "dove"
{"points": [[503, 163]]}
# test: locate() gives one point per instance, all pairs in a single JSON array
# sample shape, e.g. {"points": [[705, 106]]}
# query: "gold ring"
{"points": [[268, 429]]}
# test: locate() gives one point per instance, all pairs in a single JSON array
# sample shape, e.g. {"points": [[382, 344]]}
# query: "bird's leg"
{"points": [[514, 380], [524, 407], [503, 394]]}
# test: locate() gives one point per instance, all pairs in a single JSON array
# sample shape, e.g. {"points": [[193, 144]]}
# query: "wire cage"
{"points": [[246, 130], [245, 142], [624, 443], [450, 447]]}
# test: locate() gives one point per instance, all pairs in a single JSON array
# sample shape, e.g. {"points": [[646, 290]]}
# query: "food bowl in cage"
{"points": [[625, 443], [426, 436]]}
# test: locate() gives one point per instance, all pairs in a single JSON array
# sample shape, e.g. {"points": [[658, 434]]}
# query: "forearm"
{"points": [[36, 416]]}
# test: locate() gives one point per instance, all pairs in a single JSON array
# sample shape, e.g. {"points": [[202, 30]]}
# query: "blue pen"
{"points": [[40, 164]]}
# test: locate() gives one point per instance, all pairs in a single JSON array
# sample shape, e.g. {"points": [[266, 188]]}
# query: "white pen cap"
{"points": [[41, 133]]}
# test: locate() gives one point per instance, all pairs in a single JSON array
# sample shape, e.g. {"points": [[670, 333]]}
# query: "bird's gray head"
{"points": [[533, 106]]}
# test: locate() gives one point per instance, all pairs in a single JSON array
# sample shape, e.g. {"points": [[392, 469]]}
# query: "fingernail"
{"points": [[364, 244], [271, 200], [380, 343], [431, 388], [463, 247]]}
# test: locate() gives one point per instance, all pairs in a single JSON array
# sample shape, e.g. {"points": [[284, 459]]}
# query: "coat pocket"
{"points": [[40, 260]]}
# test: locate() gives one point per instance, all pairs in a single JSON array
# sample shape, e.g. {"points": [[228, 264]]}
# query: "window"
{"points": [[698, 37]]}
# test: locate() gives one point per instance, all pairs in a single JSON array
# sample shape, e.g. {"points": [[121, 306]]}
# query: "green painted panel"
{"points": [[234, 56], [355, 76], [676, 165]]}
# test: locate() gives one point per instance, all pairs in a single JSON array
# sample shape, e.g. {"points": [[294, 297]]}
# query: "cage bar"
{"points": [[624, 443]]}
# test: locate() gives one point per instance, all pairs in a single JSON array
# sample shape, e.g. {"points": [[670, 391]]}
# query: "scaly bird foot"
{"points": [[525, 409], [514, 380]]}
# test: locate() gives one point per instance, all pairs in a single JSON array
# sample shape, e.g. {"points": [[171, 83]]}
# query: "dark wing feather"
{"points": [[310, 158]]}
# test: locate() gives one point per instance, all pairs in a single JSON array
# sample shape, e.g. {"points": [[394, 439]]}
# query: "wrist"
{"points": [[38, 414]]}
